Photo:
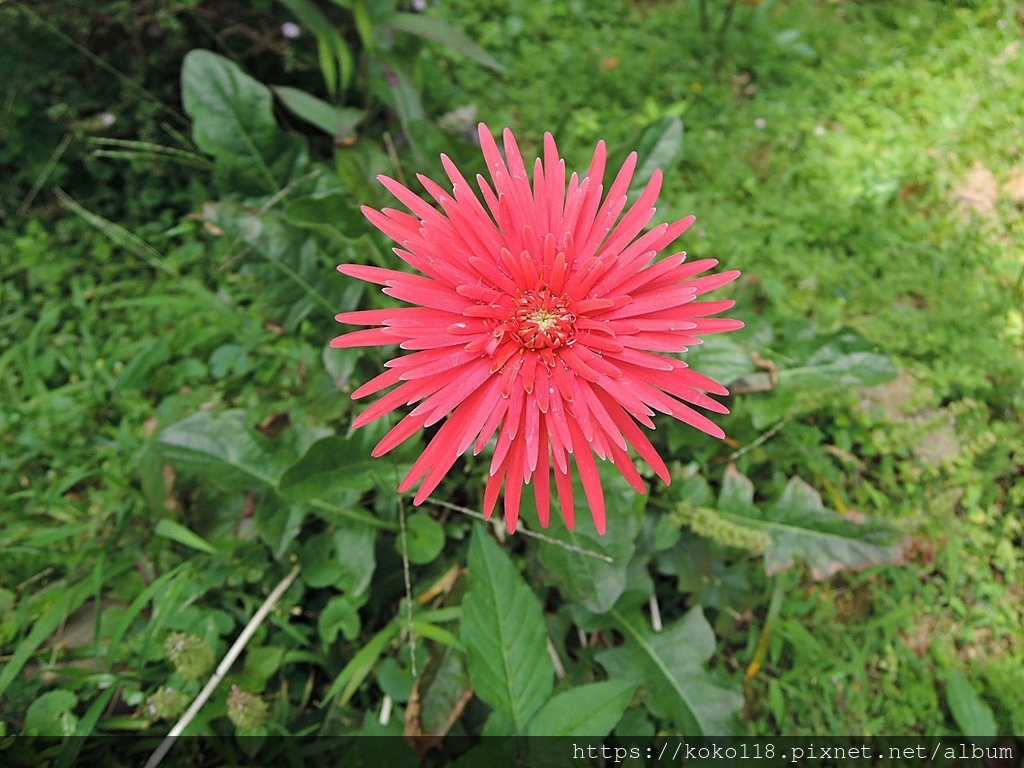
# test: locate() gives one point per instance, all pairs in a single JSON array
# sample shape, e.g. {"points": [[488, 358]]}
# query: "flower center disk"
{"points": [[541, 320]]}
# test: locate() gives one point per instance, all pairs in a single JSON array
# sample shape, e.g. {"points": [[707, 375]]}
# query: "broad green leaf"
{"points": [[279, 523], [434, 29], [582, 578], [174, 531], [659, 147], [670, 665], [444, 691], [343, 559], [587, 710], [800, 526], [400, 90], [504, 633], [330, 470], [331, 214], [424, 537], [337, 122], [339, 615], [233, 120], [221, 448], [51, 714], [394, 680], [297, 270], [972, 715], [722, 359], [836, 361]]}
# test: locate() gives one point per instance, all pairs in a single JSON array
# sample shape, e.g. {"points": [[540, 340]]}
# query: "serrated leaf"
{"points": [[587, 710], [800, 526], [973, 715], [434, 29], [504, 634], [670, 665], [233, 120], [221, 448], [337, 122]]}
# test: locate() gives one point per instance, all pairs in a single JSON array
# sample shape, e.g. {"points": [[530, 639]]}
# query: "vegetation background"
{"points": [[180, 178]]}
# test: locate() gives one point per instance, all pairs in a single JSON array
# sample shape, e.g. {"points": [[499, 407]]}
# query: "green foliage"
{"points": [[176, 433], [233, 120], [504, 634]]}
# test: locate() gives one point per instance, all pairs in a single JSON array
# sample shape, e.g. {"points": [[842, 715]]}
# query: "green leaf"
{"points": [[836, 361], [297, 271], [659, 147], [581, 578], [670, 665], [801, 526], [443, 692], [394, 680], [233, 120], [331, 214], [972, 715], [51, 714], [330, 470], [424, 536], [174, 531], [434, 29], [504, 633], [587, 710], [62, 606], [339, 615], [221, 448], [722, 359], [359, 667], [337, 122], [343, 560]]}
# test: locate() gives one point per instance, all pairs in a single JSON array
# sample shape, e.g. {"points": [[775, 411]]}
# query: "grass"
{"points": [[828, 152]]}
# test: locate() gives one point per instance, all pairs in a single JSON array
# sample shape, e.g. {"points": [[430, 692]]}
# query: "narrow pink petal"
{"points": [[625, 465], [492, 490], [377, 383], [542, 479], [401, 432], [588, 474], [372, 337], [563, 482], [635, 436]]}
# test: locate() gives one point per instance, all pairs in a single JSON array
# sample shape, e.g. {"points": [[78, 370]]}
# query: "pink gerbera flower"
{"points": [[539, 321]]}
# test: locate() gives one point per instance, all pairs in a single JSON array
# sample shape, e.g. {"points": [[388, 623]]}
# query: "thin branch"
{"points": [[761, 440], [229, 658], [527, 532]]}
